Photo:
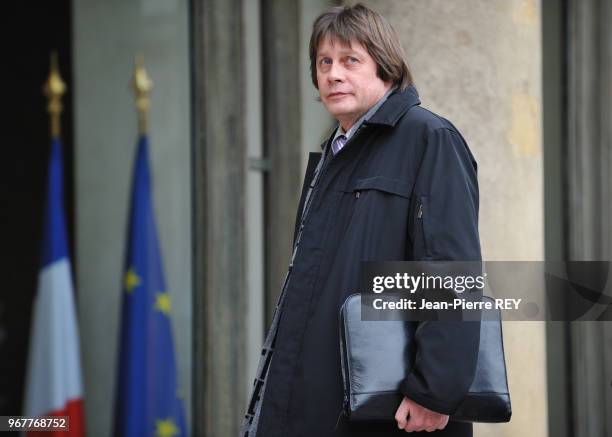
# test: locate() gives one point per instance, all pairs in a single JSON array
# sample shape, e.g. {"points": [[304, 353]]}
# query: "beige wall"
{"points": [[107, 36], [478, 63]]}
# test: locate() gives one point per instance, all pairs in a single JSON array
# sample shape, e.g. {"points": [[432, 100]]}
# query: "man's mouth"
{"points": [[336, 95]]}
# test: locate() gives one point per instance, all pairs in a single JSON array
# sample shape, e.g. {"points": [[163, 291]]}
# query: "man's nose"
{"points": [[336, 74]]}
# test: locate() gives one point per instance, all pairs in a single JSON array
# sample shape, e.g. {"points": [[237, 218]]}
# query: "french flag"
{"points": [[53, 382]]}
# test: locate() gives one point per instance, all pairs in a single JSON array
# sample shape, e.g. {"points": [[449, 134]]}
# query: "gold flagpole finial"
{"points": [[54, 89], [142, 84]]}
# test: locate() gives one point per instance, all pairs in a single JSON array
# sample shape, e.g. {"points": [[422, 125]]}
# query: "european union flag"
{"points": [[147, 400]]}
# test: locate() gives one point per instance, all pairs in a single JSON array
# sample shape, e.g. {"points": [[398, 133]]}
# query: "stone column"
{"points": [[281, 137], [478, 63], [589, 164], [220, 300]]}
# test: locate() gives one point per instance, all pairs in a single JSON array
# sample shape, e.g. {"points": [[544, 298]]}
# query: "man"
{"points": [[394, 182]]}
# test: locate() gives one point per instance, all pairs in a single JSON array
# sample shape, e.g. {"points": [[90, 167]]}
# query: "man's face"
{"points": [[347, 80]]}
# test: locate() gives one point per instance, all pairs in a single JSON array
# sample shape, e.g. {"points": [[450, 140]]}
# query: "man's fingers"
{"points": [[412, 417], [439, 425], [401, 423], [401, 414], [435, 427], [400, 417], [414, 425], [430, 427], [444, 422]]}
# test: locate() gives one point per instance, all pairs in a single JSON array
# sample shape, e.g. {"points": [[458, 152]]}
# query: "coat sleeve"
{"points": [[446, 191]]}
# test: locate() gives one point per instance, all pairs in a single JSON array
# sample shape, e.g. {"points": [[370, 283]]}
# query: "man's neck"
{"points": [[347, 124]]}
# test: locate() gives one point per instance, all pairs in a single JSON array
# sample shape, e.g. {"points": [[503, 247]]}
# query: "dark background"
{"points": [[29, 32]]}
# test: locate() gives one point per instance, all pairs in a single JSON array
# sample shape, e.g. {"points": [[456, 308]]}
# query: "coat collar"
{"points": [[396, 105], [391, 111]]}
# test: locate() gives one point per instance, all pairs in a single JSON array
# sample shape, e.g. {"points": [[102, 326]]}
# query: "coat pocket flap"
{"points": [[381, 183]]}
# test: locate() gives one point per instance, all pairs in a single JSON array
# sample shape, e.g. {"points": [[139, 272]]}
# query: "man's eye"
{"points": [[352, 60], [325, 61]]}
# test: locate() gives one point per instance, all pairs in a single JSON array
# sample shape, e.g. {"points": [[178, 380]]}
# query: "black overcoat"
{"points": [[365, 207]]}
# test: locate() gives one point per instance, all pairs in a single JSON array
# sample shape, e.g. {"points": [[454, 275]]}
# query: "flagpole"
{"points": [[142, 85], [54, 384], [54, 89], [146, 393]]}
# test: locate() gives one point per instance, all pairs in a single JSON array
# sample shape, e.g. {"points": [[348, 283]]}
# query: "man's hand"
{"points": [[411, 417]]}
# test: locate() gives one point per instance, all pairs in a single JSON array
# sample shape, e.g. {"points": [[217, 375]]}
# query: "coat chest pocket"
{"points": [[379, 206], [383, 185]]}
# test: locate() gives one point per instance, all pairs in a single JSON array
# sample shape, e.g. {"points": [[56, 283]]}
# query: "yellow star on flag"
{"points": [[166, 428], [162, 302], [131, 281]]}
